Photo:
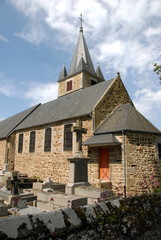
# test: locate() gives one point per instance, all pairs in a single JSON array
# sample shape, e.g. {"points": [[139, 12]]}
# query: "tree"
{"points": [[157, 70]]}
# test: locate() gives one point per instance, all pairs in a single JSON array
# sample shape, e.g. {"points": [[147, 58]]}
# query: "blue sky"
{"points": [[37, 37]]}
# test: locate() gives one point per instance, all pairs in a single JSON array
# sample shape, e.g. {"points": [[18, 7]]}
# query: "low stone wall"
{"points": [[136, 218]]}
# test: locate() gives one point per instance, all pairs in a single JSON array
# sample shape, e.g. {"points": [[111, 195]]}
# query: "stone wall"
{"points": [[115, 167], [52, 164], [143, 165], [115, 96], [136, 218], [76, 84], [80, 80], [11, 154], [87, 79], [2, 152]]}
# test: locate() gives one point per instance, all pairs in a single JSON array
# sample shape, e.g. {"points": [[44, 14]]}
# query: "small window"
{"points": [[69, 85], [32, 142], [47, 144], [159, 150], [93, 82], [20, 143], [68, 137]]}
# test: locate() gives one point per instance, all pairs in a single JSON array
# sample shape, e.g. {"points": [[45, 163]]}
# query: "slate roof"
{"points": [[103, 139], [63, 73], [8, 125], [78, 103], [81, 51], [124, 118]]}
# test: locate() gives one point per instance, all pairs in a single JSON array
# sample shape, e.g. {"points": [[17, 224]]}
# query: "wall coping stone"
{"points": [[119, 216]]}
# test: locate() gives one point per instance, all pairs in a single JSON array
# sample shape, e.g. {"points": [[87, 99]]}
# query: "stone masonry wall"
{"points": [[115, 96], [11, 155], [87, 79], [115, 167], [81, 80], [76, 84], [2, 152], [136, 218], [143, 165], [52, 164]]}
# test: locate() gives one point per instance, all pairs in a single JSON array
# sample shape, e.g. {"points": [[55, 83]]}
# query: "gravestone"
{"points": [[51, 201], [78, 173], [3, 174], [15, 185], [78, 130], [48, 184], [12, 192], [5, 169]]}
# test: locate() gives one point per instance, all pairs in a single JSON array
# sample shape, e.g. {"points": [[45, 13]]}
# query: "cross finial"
{"points": [[81, 23]]}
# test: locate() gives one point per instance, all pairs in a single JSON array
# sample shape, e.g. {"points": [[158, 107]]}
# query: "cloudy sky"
{"points": [[37, 37]]}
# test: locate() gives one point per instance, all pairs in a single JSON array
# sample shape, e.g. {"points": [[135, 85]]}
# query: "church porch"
{"points": [[106, 168]]}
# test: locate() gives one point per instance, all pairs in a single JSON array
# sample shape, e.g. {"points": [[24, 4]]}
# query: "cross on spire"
{"points": [[81, 23], [81, 20]]}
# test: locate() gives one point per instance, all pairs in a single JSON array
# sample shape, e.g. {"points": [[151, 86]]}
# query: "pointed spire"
{"points": [[63, 73], [99, 72], [81, 51], [82, 65]]}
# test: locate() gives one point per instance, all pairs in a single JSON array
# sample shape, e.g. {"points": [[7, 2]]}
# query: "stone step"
{"points": [[102, 184]]}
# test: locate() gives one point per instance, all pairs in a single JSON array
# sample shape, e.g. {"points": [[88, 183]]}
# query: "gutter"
{"points": [[124, 162]]}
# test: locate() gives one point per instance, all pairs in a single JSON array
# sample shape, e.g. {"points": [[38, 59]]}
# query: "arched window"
{"points": [[32, 141], [20, 143], [159, 150], [68, 137], [47, 143]]}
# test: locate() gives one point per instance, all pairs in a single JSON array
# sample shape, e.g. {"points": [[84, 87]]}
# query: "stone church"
{"points": [[123, 146]]}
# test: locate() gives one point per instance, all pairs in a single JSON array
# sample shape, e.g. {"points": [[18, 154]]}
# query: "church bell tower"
{"points": [[81, 73]]}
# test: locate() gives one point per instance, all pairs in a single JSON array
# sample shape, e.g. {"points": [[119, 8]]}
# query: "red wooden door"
{"points": [[104, 163]]}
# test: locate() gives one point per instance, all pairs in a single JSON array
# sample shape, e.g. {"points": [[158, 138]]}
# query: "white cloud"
{"points": [[147, 101], [123, 35], [152, 32], [33, 36], [7, 86], [42, 93], [4, 39], [121, 30]]}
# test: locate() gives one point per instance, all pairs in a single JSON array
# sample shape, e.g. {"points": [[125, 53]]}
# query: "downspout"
{"points": [[124, 157]]}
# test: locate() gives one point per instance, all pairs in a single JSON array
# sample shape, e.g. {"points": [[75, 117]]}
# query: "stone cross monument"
{"points": [[78, 174], [77, 128]]}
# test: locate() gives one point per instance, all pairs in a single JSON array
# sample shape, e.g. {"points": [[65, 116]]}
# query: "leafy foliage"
{"points": [[157, 70]]}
